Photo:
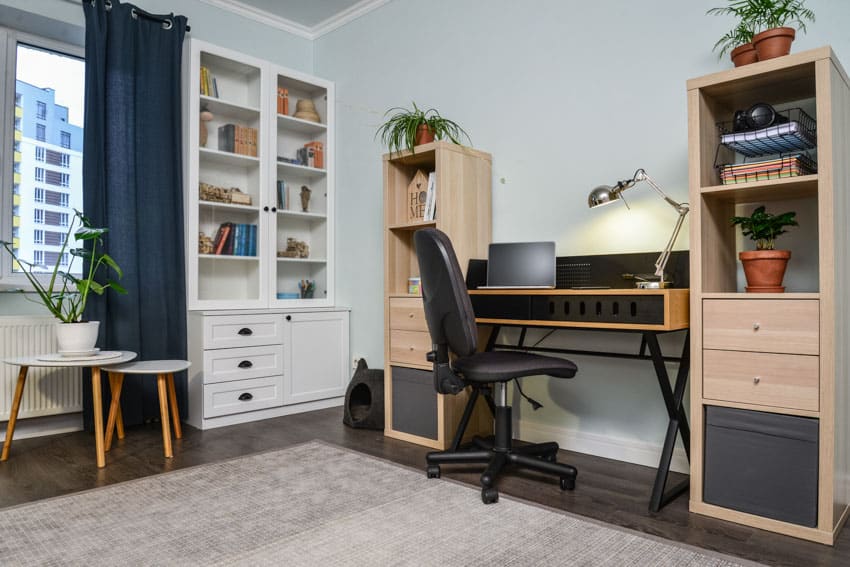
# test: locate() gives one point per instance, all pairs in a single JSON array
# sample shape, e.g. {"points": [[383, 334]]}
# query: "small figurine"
{"points": [[305, 198], [205, 244], [206, 116]]}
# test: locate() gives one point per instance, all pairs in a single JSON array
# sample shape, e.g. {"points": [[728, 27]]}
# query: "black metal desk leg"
{"points": [[677, 420]]}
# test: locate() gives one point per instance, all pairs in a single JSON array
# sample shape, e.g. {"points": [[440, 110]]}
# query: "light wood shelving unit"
{"points": [[785, 353], [463, 189]]}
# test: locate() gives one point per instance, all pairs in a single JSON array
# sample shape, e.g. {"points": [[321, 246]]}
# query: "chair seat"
{"points": [[501, 366]]}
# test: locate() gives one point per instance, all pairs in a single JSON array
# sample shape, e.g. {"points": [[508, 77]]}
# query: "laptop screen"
{"points": [[521, 264]]}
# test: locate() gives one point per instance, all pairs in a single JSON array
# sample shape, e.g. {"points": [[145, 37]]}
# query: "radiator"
{"points": [[48, 391]]}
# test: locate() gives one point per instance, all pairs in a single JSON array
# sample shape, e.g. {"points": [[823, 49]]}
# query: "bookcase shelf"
{"points": [[230, 109], [225, 257], [769, 190], [412, 225], [228, 206], [300, 170], [286, 122], [227, 158]]}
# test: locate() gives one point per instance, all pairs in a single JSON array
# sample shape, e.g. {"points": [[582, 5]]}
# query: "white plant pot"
{"points": [[76, 337]]}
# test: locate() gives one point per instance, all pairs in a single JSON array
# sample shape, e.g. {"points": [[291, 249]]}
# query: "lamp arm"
{"points": [[642, 175], [661, 262]]}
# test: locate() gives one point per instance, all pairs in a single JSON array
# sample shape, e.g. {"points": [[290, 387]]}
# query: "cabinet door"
{"points": [[316, 348]]}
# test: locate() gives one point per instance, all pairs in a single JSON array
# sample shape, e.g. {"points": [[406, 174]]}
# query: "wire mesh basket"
{"points": [[793, 131], [776, 168]]}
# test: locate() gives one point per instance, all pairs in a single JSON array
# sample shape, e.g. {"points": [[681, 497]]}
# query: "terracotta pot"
{"points": [[424, 134], [774, 42], [765, 269], [744, 55]]}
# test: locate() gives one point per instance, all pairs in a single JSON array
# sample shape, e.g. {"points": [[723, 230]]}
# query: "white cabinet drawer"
{"points": [[225, 365], [227, 398], [226, 331]]}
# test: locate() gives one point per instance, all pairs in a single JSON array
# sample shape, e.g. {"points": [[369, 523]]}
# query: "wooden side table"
{"points": [[164, 371], [57, 361]]}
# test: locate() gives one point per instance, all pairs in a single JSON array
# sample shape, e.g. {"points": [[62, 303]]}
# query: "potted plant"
{"points": [[764, 267], [407, 129], [770, 19], [739, 43], [64, 294]]}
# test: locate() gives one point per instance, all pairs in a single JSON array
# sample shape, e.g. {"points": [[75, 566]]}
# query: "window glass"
{"points": [[48, 128]]}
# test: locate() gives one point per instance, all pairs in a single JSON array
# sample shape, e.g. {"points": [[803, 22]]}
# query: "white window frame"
{"points": [[9, 39], [38, 236], [39, 153], [38, 195]]}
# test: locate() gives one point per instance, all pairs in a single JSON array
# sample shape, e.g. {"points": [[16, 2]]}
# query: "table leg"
{"points": [[163, 414], [97, 407], [175, 411], [13, 416], [116, 381]]}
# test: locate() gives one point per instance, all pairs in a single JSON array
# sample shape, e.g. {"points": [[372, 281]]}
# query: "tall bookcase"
{"points": [[261, 343], [414, 411], [771, 358]]}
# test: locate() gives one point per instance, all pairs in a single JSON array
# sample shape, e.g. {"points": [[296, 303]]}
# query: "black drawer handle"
{"points": [[246, 364], [245, 332], [246, 397], [289, 317]]}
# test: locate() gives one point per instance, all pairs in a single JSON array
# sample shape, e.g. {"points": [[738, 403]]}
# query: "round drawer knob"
{"points": [[411, 348], [411, 315], [756, 379], [756, 326]]}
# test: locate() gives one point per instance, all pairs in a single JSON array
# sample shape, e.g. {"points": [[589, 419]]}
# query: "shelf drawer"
{"points": [[225, 365], [226, 331], [762, 325], [226, 398], [407, 314], [409, 347], [777, 380]]}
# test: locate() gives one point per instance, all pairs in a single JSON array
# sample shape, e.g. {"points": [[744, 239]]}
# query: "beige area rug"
{"points": [[318, 505]]}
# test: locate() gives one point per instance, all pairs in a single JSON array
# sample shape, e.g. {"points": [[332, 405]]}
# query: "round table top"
{"points": [[147, 366], [98, 359]]}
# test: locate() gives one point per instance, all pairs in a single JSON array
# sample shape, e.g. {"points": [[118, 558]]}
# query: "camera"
{"points": [[760, 115]]}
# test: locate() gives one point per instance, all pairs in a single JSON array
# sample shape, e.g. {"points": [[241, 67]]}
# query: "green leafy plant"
{"points": [[763, 228], [65, 295], [398, 133], [758, 15]]}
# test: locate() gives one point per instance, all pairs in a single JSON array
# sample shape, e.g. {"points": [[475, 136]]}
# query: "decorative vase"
{"points": [[744, 54], [305, 198], [774, 42], [424, 134], [306, 110], [206, 116], [765, 269], [77, 338]]}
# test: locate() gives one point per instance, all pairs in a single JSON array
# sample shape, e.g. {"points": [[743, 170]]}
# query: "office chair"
{"points": [[451, 323]]}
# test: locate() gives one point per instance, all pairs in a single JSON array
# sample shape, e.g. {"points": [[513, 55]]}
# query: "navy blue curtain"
{"points": [[132, 184]]}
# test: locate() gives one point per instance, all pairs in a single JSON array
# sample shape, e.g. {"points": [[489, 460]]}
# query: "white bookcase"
{"points": [[259, 346]]}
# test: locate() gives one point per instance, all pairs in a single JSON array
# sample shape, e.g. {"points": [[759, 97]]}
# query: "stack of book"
{"points": [[785, 166], [237, 139], [233, 239], [209, 86], [318, 154], [283, 101]]}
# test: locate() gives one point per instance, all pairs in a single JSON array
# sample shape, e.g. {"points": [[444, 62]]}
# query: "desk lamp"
{"points": [[605, 194]]}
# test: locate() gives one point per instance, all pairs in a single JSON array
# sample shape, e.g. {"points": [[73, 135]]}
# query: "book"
{"points": [[431, 197], [228, 243], [252, 240], [222, 238], [282, 201]]}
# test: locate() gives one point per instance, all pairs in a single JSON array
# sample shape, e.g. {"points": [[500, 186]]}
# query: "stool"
{"points": [[164, 371]]}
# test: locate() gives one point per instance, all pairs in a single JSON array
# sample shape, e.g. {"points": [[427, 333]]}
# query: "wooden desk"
{"points": [[93, 362], [647, 311]]}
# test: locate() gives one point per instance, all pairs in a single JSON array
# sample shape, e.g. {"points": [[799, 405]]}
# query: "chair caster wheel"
{"points": [[433, 471], [568, 483], [489, 495]]}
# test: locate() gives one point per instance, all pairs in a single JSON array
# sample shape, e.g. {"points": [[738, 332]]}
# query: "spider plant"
{"points": [[399, 132]]}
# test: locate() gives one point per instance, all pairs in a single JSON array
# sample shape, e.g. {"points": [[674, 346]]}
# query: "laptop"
{"points": [[520, 265]]}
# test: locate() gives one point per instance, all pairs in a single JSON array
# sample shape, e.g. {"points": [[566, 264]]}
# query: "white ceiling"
{"points": [[307, 18]]}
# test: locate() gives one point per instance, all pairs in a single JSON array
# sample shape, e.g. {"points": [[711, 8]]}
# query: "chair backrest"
{"points": [[448, 310]]}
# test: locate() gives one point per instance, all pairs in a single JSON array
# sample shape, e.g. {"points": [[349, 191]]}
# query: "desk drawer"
{"points": [[409, 347], [407, 314], [227, 398], [226, 331], [762, 325], [777, 380], [228, 364]]}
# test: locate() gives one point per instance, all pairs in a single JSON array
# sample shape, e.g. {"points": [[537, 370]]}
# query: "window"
{"points": [[48, 109], [38, 257], [51, 257]]}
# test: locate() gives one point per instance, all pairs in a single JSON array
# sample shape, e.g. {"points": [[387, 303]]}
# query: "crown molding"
{"points": [[311, 33], [349, 14]]}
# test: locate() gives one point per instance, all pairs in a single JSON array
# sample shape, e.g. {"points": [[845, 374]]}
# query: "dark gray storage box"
{"points": [[414, 402], [762, 463]]}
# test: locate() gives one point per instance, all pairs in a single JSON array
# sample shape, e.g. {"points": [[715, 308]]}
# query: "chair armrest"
{"points": [[446, 381]]}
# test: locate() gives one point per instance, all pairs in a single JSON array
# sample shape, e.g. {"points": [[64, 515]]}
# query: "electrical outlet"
{"points": [[354, 362]]}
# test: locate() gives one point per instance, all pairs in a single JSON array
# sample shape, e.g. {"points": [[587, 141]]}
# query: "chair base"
{"points": [[500, 453]]}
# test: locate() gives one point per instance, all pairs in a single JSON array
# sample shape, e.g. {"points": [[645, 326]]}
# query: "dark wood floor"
{"points": [[610, 491]]}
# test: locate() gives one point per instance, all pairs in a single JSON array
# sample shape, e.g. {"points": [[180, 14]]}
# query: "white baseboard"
{"points": [[47, 425], [628, 450]]}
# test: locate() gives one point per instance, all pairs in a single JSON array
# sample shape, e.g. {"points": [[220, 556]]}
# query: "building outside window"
{"points": [[38, 216], [39, 174], [38, 195], [39, 153], [38, 236], [41, 112], [66, 139], [38, 257], [40, 132]]}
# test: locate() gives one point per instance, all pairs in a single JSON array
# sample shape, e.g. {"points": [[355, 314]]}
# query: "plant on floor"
{"points": [[65, 294], [406, 129], [764, 267]]}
